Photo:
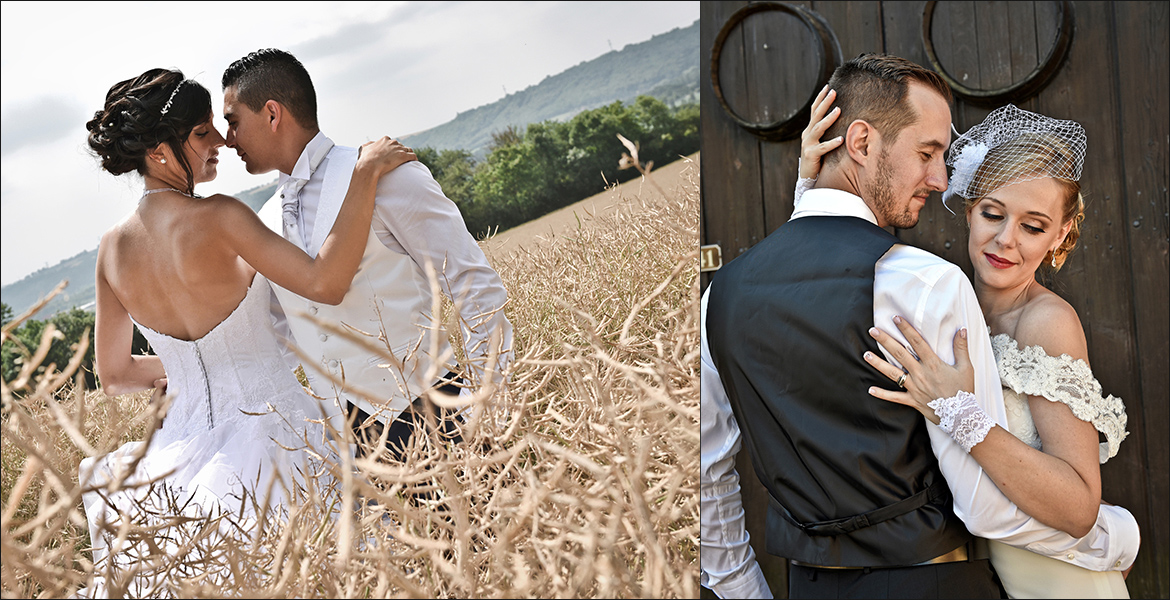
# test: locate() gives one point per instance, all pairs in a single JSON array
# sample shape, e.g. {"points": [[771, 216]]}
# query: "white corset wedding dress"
{"points": [[1031, 372], [237, 420]]}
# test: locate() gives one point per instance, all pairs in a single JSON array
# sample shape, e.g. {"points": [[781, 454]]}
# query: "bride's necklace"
{"points": [[169, 189]]}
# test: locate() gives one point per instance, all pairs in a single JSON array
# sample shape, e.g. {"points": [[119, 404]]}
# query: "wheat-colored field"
{"points": [[578, 478]]}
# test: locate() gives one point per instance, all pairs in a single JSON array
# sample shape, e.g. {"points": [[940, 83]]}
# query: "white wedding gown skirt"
{"points": [[214, 451]]}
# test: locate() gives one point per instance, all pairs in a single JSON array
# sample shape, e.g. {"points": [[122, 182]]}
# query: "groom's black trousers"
{"points": [[406, 424]]}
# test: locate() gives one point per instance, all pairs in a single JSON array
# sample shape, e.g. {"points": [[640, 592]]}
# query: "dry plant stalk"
{"points": [[578, 476]]}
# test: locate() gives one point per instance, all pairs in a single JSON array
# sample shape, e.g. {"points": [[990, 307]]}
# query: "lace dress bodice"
{"points": [[234, 369], [1032, 372]]}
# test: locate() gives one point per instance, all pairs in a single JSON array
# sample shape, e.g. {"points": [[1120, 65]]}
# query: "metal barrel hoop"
{"points": [[1018, 91], [829, 51]]}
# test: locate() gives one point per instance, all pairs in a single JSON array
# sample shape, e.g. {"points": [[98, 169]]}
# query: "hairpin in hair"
{"points": [[166, 107]]}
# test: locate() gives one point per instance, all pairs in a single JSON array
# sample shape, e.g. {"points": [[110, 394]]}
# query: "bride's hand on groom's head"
{"points": [[812, 149], [384, 155], [926, 376]]}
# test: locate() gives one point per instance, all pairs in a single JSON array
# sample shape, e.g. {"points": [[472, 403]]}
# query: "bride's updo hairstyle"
{"points": [[158, 106], [1012, 146]]}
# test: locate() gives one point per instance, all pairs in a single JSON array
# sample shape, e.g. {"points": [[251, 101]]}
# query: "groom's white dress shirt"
{"points": [[937, 298], [412, 217]]}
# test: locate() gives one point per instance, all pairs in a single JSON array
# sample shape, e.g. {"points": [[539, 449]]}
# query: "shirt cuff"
{"points": [[1124, 535], [748, 583]]}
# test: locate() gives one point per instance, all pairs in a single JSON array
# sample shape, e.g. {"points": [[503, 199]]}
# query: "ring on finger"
{"points": [[902, 380]]}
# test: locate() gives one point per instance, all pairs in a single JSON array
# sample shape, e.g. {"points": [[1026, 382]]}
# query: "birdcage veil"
{"points": [[1011, 146]]}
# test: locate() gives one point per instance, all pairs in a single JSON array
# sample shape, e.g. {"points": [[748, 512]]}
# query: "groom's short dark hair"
{"points": [[272, 74], [872, 87]]}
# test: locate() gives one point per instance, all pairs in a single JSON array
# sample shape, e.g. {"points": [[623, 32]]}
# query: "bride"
{"points": [[1018, 176], [192, 273]]}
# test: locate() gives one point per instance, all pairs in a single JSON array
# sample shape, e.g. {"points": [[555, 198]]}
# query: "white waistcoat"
{"points": [[389, 304]]}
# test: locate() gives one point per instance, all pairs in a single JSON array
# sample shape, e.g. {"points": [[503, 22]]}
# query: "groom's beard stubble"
{"points": [[883, 196]]}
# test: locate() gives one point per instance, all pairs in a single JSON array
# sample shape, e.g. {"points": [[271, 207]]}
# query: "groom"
{"points": [[417, 238], [865, 499]]}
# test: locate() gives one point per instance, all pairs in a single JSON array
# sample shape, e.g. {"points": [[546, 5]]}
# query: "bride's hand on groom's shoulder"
{"points": [[926, 376], [384, 155]]}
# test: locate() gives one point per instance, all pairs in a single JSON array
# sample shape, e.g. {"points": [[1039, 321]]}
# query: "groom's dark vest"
{"points": [[852, 479]]}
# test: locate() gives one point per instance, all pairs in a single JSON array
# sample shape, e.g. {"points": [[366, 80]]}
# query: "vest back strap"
{"points": [[934, 494]]}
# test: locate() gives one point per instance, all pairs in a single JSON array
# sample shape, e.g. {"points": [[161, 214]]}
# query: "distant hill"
{"points": [[666, 66], [78, 270]]}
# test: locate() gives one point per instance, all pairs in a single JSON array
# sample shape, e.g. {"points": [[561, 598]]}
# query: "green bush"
{"points": [[531, 172]]}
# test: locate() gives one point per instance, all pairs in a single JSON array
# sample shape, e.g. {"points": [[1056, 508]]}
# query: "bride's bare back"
{"points": [[170, 268]]}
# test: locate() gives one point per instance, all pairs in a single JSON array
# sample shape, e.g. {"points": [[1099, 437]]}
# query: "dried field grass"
{"points": [[579, 478]]}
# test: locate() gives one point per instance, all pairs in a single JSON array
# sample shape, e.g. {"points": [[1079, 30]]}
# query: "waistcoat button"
{"points": [[324, 336]]}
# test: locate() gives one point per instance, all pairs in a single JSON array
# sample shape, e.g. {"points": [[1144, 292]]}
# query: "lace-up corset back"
{"points": [[1032, 372], [235, 368]]}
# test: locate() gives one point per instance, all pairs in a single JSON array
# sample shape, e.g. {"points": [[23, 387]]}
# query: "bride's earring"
{"points": [[162, 161]]}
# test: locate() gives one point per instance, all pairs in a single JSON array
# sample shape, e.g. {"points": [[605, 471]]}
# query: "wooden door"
{"points": [[1102, 64]]}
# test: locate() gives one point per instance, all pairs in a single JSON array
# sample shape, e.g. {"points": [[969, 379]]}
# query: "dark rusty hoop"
{"points": [[829, 51], [1020, 90]]}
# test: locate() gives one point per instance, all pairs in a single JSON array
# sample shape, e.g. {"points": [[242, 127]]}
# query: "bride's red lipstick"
{"points": [[998, 262]]}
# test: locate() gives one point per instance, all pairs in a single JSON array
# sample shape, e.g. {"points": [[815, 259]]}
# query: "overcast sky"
{"points": [[380, 68]]}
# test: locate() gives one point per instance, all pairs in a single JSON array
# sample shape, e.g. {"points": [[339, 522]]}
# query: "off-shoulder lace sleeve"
{"points": [[1062, 379]]}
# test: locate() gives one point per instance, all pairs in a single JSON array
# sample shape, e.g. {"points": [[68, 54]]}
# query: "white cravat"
{"points": [[292, 184], [290, 205]]}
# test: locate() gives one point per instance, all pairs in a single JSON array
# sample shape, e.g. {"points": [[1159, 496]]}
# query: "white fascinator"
{"points": [[991, 152]]}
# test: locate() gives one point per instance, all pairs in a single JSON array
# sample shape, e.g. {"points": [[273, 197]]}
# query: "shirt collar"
{"points": [[829, 202], [310, 158]]}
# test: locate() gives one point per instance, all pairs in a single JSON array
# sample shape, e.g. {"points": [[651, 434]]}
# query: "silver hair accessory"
{"points": [[1023, 132], [166, 107]]}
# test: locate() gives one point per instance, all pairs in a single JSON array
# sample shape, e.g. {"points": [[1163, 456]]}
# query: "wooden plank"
{"points": [[1022, 31], [730, 178], [964, 43], [782, 59], [779, 165], [902, 30], [1047, 26], [1097, 279], [1142, 86], [857, 25], [993, 33]]}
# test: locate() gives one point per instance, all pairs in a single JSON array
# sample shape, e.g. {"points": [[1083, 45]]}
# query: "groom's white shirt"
{"points": [[413, 218], [938, 300]]}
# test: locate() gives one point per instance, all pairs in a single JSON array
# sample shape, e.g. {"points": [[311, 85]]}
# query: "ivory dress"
{"points": [[215, 449], [1032, 372]]}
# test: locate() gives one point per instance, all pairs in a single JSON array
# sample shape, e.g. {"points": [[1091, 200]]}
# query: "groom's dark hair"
{"points": [[872, 87], [272, 74]]}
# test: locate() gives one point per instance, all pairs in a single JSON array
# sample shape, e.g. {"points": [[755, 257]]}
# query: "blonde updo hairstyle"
{"points": [[1033, 156]]}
